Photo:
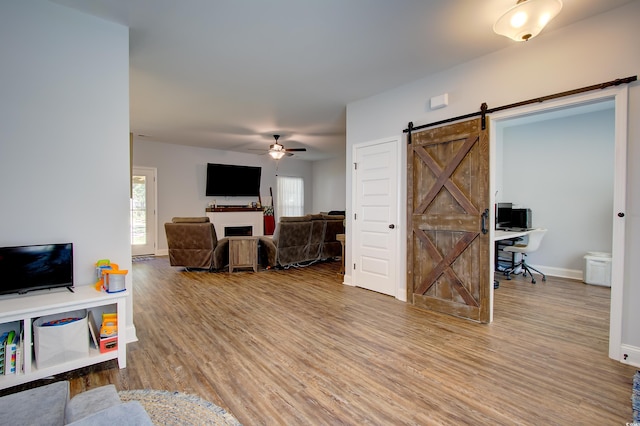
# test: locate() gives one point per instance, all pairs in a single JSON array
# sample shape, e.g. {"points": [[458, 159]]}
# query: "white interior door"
{"points": [[143, 211], [375, 234]]}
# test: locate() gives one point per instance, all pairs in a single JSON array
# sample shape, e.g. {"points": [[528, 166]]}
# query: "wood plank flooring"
{"points": [[297, 347]]}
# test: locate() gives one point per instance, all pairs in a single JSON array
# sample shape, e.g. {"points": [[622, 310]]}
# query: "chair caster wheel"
{"points": [[544, 278], [533, 281]]}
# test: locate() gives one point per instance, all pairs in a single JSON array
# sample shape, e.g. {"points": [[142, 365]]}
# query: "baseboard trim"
{"points": [[346, 280], [561, 272], [131, 334], [630, 355], [164, 252]]}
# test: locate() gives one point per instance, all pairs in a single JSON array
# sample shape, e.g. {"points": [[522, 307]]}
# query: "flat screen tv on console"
{"points": [[36, 267], [233, 181]]}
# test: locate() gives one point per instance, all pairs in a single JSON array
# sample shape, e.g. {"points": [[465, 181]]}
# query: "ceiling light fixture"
{"points": [[276, 151], [527, 18]]}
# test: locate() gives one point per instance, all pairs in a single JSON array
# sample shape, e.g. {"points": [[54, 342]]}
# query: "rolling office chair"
{"points": [[535, 237]]}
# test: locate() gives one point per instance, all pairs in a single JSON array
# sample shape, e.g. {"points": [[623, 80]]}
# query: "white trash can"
{"points": [[597, 268]]}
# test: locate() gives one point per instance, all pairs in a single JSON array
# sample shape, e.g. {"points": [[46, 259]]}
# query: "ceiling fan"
{"points": [[277, 150]]}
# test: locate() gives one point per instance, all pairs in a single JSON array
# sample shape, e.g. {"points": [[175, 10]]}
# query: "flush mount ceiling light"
{"points": [[527, 18]]}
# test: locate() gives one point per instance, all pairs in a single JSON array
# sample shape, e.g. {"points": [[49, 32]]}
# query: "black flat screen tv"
{"points": [[233, 181], [36, 267]]}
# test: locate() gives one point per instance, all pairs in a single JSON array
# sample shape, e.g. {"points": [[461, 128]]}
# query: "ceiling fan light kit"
{"points": [[527, 18], [277, 151]]}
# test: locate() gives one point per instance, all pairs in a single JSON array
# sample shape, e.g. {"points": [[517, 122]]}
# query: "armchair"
{"points": [[193, 243]]}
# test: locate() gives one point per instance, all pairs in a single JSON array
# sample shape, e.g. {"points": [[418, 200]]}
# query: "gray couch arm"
{"points": [[86, 403], [38, 406]]}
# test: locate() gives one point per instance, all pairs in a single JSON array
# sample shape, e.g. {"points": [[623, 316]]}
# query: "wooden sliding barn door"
{"points": [[448, 266]]}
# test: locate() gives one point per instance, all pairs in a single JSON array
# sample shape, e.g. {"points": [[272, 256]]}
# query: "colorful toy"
{"points": [[109, 332], [110, 277], [109, 344], [114, 280], [109, 327], [62, 321], [103, 265]]}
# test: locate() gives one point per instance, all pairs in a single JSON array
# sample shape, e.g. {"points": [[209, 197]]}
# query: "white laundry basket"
{"points": [[597, 268]]}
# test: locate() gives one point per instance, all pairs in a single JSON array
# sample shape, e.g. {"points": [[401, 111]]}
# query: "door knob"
{"points": [[620, 214], [392, 226]]}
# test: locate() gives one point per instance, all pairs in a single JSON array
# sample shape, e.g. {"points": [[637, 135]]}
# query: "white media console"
{"points": [[20, 312]]}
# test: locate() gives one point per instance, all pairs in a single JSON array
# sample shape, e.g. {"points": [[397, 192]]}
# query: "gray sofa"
{"points": [[50, 405], [302, 240]]}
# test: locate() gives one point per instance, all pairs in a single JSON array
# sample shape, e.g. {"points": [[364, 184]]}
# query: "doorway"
{"points": [[143, 211], [376, 210], [619, 97]]}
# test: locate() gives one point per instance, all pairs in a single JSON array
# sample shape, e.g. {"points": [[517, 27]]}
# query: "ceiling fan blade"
{"points": [[295, 149]]}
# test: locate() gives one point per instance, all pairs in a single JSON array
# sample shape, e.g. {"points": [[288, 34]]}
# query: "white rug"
{"points": [[176, 408]]}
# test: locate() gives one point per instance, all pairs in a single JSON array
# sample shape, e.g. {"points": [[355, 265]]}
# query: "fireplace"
{"points": [[238, 231], [225, 219]]}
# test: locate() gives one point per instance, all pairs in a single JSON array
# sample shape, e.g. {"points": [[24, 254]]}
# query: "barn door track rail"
{"points": [[484, 109]]}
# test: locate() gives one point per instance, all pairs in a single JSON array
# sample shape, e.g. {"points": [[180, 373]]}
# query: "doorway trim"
{"points": [[620, 97], [153, 206]]}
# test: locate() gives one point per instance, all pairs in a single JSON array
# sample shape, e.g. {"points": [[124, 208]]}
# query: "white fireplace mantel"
{"points": [[236, 217]]}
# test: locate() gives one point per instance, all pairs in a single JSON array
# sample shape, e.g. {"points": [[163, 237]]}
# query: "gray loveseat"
{"points": [[302, 240], [50, 405]]}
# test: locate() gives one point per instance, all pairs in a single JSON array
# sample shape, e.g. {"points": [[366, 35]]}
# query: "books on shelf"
{"points": [[10, 352], [3, 337], [19, 354], [92, 330]]}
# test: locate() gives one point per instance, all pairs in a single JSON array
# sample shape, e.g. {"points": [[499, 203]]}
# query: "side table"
{"points": [[243, 253]]}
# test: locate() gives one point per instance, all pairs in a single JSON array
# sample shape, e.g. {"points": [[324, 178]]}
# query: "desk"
{"points": [[499, 234]]}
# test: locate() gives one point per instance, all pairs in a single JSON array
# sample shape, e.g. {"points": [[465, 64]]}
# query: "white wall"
{"points": [[601, 49], [562, 169], [329, 184], [64, 137], [182, 176]]}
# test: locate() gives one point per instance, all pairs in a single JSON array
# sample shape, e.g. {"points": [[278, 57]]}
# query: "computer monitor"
{"points": [[521, 218], [503, 215]]}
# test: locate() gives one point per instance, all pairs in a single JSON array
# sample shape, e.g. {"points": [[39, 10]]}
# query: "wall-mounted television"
{"points": [[35, 267], [233, 181]]}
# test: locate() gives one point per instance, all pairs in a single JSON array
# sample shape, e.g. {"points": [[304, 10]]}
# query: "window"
{"points": [[289, 196]]}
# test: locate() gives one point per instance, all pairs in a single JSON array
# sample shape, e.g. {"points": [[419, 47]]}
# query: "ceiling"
{"points": [[228, 74]]}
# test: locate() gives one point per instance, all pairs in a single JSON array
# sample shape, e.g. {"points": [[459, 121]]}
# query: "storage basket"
{"points": [[63, 342]]}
